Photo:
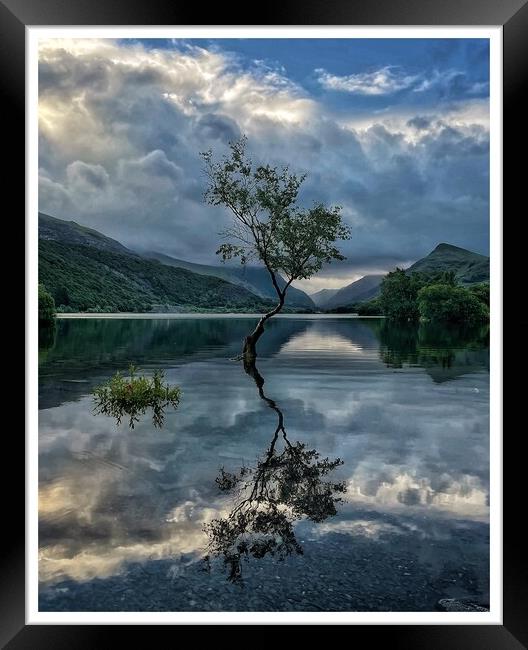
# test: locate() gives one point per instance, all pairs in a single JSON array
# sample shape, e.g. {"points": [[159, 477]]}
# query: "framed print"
{"points": [[264, 385]]}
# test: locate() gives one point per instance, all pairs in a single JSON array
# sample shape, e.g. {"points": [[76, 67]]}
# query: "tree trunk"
{"points": [[249, 351]]}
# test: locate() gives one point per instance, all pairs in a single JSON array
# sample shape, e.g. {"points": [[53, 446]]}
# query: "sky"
{"points": [[395, 131]]}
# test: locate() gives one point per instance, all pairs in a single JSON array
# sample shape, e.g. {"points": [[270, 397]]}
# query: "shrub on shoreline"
{"points": [[46, 305]]}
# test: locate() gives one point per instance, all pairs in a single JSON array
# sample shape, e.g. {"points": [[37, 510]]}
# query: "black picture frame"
{"points": [[15, 15]]}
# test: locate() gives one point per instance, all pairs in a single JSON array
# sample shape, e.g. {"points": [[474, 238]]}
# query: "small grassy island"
{"points": [[131, 396]]}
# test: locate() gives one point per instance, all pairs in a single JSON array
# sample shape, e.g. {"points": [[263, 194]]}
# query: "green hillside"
{"points": [[71, 232], [88, 278], [468, 267], [254, 278]]}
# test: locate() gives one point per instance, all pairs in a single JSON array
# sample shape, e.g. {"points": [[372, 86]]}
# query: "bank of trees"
{"points": [[445, 303], [46, 306], [432, 297]]}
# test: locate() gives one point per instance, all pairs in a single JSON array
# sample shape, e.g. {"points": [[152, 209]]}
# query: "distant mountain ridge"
{"points": [[71, 232], [323, 296], [359, 291], [253, 278], [469, 268], [86, 270]]}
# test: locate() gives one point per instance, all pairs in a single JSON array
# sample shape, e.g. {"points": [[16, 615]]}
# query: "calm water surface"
{"points": [[401, 522]]}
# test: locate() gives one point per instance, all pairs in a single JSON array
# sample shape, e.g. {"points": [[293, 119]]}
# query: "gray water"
{"points": [[398, 524]]}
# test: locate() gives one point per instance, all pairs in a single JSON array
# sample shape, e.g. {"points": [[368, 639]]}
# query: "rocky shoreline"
{"points": [[337, 572]]}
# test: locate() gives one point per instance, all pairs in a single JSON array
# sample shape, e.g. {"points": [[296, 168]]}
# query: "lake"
{"points": [[347, 471]]}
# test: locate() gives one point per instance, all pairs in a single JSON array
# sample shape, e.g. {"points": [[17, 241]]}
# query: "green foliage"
{"points": [[267, 223], [482, 292], [398, 295], [85, 278], [62, 297], [367, 308], [443, 277], [445, 303], [133, 395], [404, 297], [46, 305]]}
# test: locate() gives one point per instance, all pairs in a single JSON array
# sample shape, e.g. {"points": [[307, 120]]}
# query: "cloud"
{"points": [[451, 83], [389, 80], [386, 80], [87, 177], [152, 171], [465, 496], [218, 127], [419, 122], [122, 125]]}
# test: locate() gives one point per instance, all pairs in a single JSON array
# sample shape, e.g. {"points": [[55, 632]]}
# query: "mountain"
{"points": [[364, 289], [70, 232], [255, 279], [321, 297], [85, 270], [469, 267]]}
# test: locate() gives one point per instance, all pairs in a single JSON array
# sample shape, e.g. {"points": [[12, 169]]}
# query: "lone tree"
{"points": [[268, 226]]}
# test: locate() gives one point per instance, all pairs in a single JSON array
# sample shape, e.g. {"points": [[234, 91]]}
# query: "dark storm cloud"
{"points": [[64, 74], [218, 127], [122, 128], [450, 143], [419, 122], [143, 76]]}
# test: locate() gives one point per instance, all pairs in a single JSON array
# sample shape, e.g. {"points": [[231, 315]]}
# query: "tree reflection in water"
{"points": [[435, 347], [287, 484]]}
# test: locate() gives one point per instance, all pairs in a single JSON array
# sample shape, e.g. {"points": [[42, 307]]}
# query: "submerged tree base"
{"points": [[249, 352]]}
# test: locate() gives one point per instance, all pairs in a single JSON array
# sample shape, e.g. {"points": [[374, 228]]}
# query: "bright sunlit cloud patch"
{"points": [[384, 81]]}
